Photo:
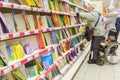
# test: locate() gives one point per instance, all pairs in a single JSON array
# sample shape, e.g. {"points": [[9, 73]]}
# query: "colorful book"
{"points": [[9, 19], [47, 61], [5, 26], [48, 38], [20, 22], [46, 4], [18, 75], [41, 41]]}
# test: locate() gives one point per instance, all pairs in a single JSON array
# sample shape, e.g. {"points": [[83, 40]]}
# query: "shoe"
{"points": [[99, 62], [91, 61]]}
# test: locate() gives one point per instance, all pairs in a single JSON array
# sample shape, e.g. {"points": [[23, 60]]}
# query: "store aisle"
{"points": [[95, 72]]}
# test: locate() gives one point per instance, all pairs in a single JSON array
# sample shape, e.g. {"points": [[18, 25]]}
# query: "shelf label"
{"points": [[30, 58], [16, 35], [8, 5], [27, 33], [36, 55], [36, 31], [8, 69], [17, 65], [4, 37]]}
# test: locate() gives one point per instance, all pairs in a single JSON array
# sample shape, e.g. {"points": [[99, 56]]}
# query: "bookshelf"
{"points": [[39, 39]]}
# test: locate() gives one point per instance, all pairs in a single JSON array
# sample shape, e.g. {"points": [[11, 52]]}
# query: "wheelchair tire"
{"points": [[112, 53]]}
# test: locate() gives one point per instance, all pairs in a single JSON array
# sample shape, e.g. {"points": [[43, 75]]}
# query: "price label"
{"points": [[16, 35], [36, 55], [17, 65], [7, 69], [4, 37], [8, 5], [27, 33], [36, 31], [30, 58], [18, 6]]}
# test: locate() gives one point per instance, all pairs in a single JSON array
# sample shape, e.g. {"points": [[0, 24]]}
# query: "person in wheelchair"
{"points": [[110, 22]]}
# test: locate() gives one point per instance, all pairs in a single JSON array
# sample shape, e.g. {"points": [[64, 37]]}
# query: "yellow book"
{"points": [[13, 52], [17, 52], [51, 4], [54, 57], [21, 51], [18, 75], [28, 2], [36, 70]]}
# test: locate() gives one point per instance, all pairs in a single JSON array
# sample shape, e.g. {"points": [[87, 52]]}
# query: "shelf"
{"points": [[74, 5], [58, 62], [31, 32], [25, 7], [66, 68], [15, 64], [69, 67]]}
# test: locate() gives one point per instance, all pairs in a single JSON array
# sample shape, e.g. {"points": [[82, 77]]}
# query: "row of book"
{"points": [[57, 5], [18, 48], [11, 22], [44, 62]]}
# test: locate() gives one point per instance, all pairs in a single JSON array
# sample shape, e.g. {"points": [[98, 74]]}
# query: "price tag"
{"points": [[36, 55], [4, 37], [30, 58], [17, 65], [18, 6], [16, 35], [36, 31], [7, 69], [27, 33], [8, 5]]}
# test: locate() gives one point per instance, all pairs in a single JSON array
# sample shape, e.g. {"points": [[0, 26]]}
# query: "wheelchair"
{"points": [[112, 49]]}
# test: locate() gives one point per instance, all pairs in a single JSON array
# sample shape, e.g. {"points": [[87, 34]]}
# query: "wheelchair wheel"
{"points": [[112, 53]]}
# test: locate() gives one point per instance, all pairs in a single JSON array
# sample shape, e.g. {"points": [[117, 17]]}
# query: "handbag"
{"points": [[90, 31]]}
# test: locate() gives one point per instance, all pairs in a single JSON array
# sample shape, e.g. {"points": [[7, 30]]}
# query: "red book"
{"points": [[41, 41]]}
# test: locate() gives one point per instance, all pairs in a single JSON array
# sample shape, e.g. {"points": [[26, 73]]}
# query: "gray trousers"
{"points": [[95, 46]]}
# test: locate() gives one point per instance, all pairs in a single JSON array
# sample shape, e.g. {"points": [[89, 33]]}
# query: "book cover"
{"points": [[9, 20], [5, 26], [55, 20], [31, 21], [17, 74], [67, 20], [56, 5], [41, 41], [47, 61], [48, 38], [36, 24], [20, 22], [22, 70], [49, 21], [46, 4], [3, 60], [44, 22], [51, 3], [32, 71]]}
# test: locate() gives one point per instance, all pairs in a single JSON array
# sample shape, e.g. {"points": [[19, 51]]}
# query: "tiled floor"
{"points": [[95, 72]]}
